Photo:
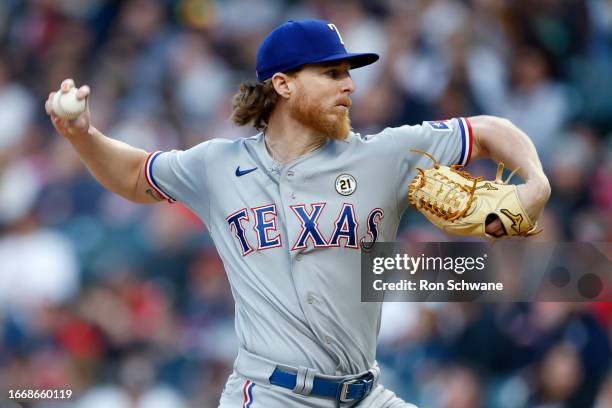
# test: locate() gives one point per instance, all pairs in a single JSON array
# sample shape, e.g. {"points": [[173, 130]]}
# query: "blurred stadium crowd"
{"points": [[128, 305]]}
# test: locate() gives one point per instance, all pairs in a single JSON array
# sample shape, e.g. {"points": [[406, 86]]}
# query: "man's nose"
{"points": [[348, 85]]}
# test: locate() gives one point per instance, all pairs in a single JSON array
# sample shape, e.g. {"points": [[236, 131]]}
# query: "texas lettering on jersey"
{"points": [[263, 222]]}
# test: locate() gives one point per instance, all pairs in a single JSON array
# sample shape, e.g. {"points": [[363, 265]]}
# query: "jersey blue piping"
{"points": [[155, 155]]}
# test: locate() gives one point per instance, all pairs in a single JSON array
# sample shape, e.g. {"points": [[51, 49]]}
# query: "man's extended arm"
{"points": [[501, 140], [118, 166]]}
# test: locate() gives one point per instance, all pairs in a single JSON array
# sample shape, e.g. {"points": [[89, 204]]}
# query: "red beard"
{"points": [[311, 114]]}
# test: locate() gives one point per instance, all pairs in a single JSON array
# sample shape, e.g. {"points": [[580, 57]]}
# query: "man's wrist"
{"points": [[74, 134]]}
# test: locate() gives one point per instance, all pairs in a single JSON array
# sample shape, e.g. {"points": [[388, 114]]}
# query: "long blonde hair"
{"points": [[253, 104]]}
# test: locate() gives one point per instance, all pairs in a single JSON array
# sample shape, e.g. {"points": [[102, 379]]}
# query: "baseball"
{"points": [[67, 106]]}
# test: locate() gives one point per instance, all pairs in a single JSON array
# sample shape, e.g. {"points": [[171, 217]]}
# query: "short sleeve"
{"points": [[180, 175], [449, 141]]}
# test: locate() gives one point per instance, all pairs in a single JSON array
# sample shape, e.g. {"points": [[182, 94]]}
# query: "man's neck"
{"points": [[287, 139]]}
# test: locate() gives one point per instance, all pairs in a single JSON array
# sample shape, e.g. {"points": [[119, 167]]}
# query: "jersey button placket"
{"points": [[290, 175]]}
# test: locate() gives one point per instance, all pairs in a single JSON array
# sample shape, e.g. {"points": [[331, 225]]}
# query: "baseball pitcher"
{"points": [[290, 208]]}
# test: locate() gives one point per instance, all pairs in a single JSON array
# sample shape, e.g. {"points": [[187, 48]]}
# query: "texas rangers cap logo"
{"points": [[346, 184]]}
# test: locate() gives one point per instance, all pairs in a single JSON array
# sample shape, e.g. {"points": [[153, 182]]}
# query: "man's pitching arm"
{"points": [[117, 166], [500, 140]]}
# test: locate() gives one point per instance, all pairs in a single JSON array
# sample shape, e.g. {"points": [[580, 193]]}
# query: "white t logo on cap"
{"points": [[334, 28]]}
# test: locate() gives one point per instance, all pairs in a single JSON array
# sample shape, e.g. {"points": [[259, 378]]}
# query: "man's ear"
{"points": [[283, 84]]}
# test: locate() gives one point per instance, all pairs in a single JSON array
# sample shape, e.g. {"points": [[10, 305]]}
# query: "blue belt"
{"points": [[342, 391]]}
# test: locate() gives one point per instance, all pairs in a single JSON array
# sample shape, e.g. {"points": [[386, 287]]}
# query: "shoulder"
{"points": [[427, 126], [365, 144], [430, 129], [384, 136], [206, 152], [219, 146]]}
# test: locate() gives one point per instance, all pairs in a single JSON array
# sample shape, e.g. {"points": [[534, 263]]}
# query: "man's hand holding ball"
{"points": [[69, 109]]}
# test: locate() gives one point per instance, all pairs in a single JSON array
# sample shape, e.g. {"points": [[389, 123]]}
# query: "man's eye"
{"points": [[333, 73]]}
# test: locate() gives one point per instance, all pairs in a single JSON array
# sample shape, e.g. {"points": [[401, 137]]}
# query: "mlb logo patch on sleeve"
{"points": [[439, 125]]}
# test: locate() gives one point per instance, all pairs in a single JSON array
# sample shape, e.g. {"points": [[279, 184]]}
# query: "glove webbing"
{"points": [[431, 205]]}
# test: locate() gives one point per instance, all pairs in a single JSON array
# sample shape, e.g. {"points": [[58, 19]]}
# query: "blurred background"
{"points": [[129, 306]]}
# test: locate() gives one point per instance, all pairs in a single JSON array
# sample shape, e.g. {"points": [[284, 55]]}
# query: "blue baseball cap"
{"points": [[297, 43]]}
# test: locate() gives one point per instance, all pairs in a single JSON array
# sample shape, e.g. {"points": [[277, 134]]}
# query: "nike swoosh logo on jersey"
{"points": [[240, 173]]}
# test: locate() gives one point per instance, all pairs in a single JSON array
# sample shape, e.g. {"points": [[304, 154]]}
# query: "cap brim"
{"points": [[357, 60]]}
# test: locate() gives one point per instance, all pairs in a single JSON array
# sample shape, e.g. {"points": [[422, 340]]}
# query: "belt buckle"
{"points": [[344, 389]]}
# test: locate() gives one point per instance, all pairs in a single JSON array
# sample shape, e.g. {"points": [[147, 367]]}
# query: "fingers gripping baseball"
{"points": [[68, 109]]}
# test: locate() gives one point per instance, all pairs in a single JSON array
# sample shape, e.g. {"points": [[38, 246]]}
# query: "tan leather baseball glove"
{"points": [[461, 204]]}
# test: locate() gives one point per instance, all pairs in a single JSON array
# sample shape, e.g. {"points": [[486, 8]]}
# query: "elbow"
{"points": [[545, 189], [548, 191]]}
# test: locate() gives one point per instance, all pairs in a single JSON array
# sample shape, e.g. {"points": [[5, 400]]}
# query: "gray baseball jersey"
{"points": [[289, 236]]}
